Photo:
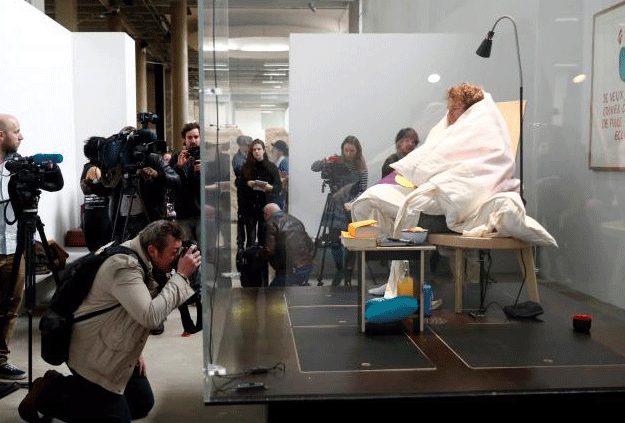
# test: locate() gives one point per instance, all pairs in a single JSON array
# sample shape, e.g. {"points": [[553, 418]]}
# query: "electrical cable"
{"points": [[279, 367], [523, 281]]}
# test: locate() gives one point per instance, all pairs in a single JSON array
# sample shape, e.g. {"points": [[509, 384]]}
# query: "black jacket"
{"points": [[152, 191], [254, 200], [287, 245]]}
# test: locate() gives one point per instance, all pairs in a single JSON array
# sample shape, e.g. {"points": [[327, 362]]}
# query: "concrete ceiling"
{"points": [[248, 23]]}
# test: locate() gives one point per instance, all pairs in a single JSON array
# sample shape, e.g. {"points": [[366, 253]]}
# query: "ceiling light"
{"points": [[579, 78], [276, 64], [272, 82], [251, 44], [434, 78], [274, 74]]}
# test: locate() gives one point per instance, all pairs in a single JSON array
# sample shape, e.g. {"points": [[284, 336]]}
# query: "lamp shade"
{"points": [[484, 49]]}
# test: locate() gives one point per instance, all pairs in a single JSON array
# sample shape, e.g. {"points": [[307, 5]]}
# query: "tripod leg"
{"points": [[323, 231], [46, 247]]}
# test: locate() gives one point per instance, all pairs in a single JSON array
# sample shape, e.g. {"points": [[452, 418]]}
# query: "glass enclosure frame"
{"points": [[580, 207]]}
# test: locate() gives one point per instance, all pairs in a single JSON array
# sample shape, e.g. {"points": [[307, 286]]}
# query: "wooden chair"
{"points": [[460, 243]]}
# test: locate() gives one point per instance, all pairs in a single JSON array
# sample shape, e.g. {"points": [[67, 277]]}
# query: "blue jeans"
{"points": [[299, 277], [75, 399]]}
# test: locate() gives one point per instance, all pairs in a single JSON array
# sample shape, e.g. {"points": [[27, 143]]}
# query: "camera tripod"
{"points": [[28, 222], [130, 188], [323, 238]]}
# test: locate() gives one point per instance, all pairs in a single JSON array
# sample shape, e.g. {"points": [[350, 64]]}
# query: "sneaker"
{"points": [[378, 290], [436, 304], [10, 372], [28, 407]]}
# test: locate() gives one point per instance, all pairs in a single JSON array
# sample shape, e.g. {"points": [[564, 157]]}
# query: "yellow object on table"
{"points": [[364, 229]]}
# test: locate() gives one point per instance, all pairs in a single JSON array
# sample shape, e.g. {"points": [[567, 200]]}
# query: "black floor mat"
{"points": [[336, 349], [522, 344], [324, 316], [309, 296]]}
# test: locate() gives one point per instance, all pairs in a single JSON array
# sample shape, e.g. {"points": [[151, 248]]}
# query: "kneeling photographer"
{"points": [[20, 180], [132, 163], [108, 379]]}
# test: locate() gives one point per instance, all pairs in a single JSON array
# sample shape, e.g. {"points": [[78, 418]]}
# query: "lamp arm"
{"points": [[518, 53], [516, 38]]}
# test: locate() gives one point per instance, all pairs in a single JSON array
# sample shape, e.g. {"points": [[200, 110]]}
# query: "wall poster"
{"points": [[607, 100]]}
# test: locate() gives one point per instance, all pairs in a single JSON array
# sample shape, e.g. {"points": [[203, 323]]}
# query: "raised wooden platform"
{"points": [[284, 330]]}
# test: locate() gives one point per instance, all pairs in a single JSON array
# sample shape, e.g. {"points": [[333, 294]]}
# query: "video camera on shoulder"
{"points": [[129, 151]]}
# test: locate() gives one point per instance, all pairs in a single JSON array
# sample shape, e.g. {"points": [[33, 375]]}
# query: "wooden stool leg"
{"points": [[526, 258], [459, 277]]}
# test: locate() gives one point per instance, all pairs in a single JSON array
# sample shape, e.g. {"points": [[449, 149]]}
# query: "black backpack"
{"points": [[56, 323]]}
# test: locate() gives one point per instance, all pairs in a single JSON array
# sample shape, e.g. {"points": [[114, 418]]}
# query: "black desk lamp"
{"points": [[484, 51]]}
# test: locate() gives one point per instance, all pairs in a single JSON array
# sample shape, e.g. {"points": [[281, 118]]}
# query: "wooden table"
{"points": [[389, 253]]}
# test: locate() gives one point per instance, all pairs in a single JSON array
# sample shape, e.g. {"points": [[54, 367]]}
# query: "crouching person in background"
{"points": [[288, 247], [108, 380]]}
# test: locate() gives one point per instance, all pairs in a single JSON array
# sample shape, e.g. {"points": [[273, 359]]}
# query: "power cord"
{"points": [[246, 386]]}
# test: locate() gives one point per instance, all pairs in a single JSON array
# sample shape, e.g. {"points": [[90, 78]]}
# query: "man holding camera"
{"points": [[10, 139], [49, 178], [108, 381], [187, 166]]}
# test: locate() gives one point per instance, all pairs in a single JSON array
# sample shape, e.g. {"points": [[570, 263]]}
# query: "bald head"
{"points": [[5, 120], [10, 136], [270, 209]]}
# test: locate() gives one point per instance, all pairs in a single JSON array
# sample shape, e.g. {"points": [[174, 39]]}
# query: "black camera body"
{"points": [[194, 152], [129, 151], [147, 117], [140, 144], [28, 178], [335, 174]]}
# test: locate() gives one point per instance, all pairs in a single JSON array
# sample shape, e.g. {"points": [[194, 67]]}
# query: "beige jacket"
{"points": [[105, 348]]}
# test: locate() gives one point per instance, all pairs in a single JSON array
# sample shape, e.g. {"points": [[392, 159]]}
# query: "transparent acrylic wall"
{"points": [[214, 97], [580, 207]]}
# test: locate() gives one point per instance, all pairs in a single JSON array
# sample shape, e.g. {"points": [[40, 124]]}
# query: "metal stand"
{"points": [[484, 276], [130, 187], [322, 238], [26, 226]]}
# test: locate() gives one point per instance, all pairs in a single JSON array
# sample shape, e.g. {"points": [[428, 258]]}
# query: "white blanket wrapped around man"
{"points": [[463, 171]]}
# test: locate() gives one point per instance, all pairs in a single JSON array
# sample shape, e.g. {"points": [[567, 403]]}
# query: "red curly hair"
{"points": [[465, 95]]}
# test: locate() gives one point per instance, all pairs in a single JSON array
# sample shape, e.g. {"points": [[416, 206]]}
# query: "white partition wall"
{"points": [[371, 86], [63, 87], [36, 78], [104, 85]]}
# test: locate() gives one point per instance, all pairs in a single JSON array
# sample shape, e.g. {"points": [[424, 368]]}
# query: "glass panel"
{"points": [[582, 208], [214, 105]]}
